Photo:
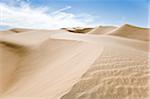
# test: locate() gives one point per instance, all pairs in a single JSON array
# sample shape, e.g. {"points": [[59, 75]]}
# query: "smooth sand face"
{"points": [[55, 64]]}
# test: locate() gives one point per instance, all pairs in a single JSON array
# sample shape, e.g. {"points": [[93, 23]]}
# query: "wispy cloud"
{"points": [[61, 10], [26, 16]]}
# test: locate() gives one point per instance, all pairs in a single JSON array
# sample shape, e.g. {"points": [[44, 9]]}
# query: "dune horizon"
{"points": [[4, 27]]}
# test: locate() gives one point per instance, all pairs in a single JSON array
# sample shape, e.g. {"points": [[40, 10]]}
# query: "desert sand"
{"points": [[101, 63]]}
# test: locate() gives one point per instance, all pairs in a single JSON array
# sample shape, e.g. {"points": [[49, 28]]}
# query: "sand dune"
{"points": [[132, 32], [18, 30], [56, 64], [15, 30], [102, 29], [43, 60], [103, 39], [78, 30], [126, 30]]}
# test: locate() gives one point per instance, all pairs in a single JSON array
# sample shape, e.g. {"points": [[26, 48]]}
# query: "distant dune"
{"points": [[15, 30], [75, 64], [132, 32], [102, 29], [78, 30], [18, 30]]}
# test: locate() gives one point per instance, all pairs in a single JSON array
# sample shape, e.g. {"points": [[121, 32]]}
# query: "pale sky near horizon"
{"points": [[47, 14]]}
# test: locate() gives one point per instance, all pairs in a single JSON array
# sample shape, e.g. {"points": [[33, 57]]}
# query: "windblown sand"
{"points": [[57, 64]]}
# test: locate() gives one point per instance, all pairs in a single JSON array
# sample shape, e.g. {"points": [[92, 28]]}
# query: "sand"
{"points": [[57, 64]]}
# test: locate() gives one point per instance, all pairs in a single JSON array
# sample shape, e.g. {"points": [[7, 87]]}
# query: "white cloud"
{"points": [[26, 16]]}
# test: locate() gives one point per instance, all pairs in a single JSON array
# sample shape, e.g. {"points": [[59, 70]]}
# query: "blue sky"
{"points": [[75, 13]]}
